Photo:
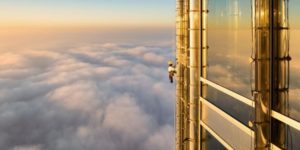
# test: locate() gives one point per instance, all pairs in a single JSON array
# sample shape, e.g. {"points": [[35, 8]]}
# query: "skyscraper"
{"points": [[233, 76]]}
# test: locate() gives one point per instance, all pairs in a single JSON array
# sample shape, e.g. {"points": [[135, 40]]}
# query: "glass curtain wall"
{"points": [[290, 94], [229, 39], [231, 65], [294, 71]]}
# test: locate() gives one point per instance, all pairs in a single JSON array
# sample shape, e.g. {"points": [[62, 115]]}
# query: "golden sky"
{"points": [[99, 13]]}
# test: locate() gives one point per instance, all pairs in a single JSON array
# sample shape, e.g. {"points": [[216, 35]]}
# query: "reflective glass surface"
{"points": [[212, 143], [293, 139], [229, 132], [228, 104], [294, 91], [230, 44], [292, 98]]}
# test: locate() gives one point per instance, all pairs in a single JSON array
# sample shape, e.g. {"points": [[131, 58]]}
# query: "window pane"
{"points": [[294, 92], [233, 107], [288, 92], [233, 135], [293, 139], [230, 44], [212, 143]]}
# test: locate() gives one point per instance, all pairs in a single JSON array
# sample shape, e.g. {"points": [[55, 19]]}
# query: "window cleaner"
{"points": [[171, 70]]}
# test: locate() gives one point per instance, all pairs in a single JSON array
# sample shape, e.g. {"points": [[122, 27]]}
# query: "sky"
{"points": [[91, 74], [87, 13], [86, 74]]}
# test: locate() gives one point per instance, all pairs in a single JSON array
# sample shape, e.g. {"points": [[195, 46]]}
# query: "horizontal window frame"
{"points": [[235, 95], [229, 118], [286, 120], [276, 115]]}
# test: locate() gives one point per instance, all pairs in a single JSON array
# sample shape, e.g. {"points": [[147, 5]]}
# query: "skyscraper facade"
{"points": [[237, 74]]}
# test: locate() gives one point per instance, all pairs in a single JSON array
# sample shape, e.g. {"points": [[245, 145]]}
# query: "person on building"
{"points": [[171, 70]]}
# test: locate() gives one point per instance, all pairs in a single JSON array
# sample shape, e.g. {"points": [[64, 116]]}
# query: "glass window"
{"points": [[212, 143], [229, 39], [294, 91], [293, 75], [225, 129], [293, 137], [233, 107]]}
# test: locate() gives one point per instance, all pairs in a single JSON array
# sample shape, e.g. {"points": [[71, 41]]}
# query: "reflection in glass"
{"points": [[229, 132], [230, 44], [230, 47], [212, 143], [233, 107], [293, 139], [294, 92], [293, 75]]}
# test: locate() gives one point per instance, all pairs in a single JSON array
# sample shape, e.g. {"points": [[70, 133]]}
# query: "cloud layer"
{"points": [[88, 97]]}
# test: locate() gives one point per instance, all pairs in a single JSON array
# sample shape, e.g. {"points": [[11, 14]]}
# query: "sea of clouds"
{"points": [[86, 97], [79, 91]]}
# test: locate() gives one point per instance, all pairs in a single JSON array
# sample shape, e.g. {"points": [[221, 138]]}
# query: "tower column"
{"points": [[195, 48], [280, 67], [262, 96], [179, 75]]}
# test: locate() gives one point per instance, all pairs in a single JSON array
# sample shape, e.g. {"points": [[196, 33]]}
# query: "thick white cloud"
{"points": [[86, 97], [154, 58]]}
